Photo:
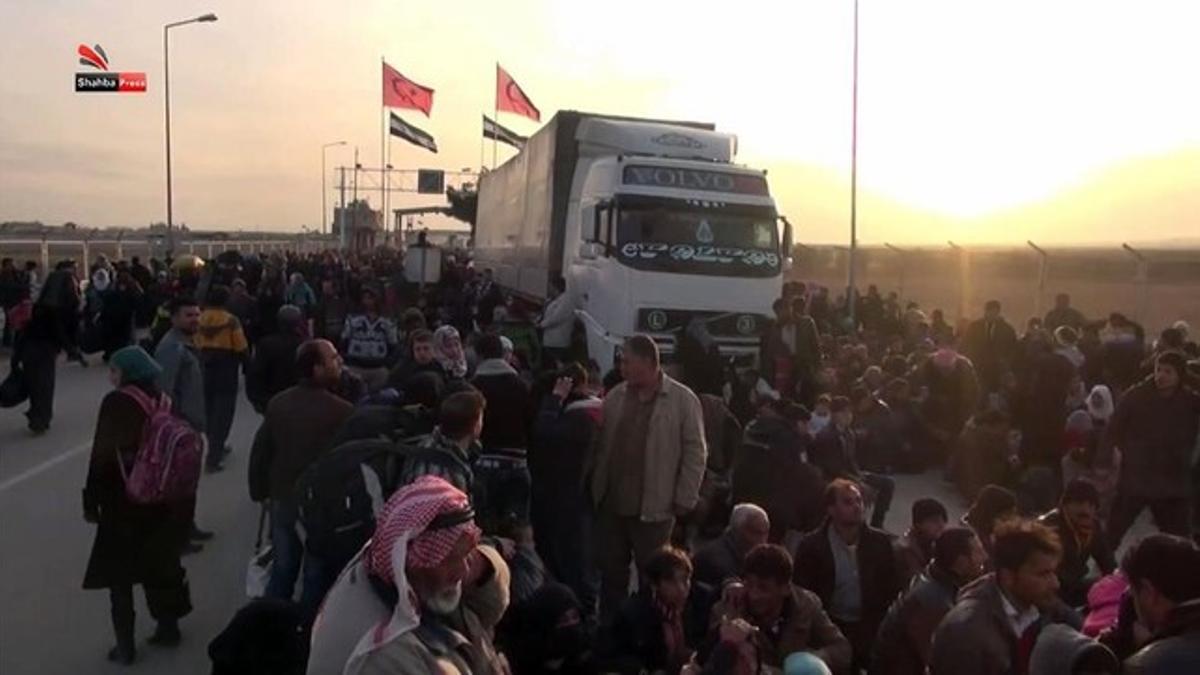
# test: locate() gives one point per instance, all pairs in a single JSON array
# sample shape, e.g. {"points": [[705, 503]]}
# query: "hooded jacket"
{"points": [[1156, 435], [220, 334], [903, 643], [1175, 649], [1060, 649]]}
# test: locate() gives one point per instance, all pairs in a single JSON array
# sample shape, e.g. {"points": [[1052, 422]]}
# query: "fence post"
{"points": [[1043, 270], [1141, 280], [192, 247], [120, 246], [45, 251], [962, 280], [87, 255]]}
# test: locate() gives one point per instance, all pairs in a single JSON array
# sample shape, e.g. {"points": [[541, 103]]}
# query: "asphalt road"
{"points": [[50, 625]]}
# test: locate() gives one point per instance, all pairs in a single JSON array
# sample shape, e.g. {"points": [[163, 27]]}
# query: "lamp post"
{"points": [[324, 210], [203, 18], [852, 291]]}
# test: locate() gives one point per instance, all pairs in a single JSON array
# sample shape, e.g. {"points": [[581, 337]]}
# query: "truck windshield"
{"points": [[697, 238]]}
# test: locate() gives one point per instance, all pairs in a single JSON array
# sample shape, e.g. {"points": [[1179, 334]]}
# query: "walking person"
{"points": [[649, 461], [299, 426], [135, 543], [183, 380], [223, 350], [35, 352]]}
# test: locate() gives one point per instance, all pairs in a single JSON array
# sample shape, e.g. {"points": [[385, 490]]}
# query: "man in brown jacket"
{"points": [[648, 461], [788, 618]]}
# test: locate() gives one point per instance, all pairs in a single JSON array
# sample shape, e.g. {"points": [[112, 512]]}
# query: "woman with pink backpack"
{"points": [[141, 460]]}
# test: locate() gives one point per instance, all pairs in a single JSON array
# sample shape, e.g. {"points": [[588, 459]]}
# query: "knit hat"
{"points": [[135, 365], [804, 663]]}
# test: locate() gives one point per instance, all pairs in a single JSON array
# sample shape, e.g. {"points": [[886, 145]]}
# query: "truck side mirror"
{"points": [[590, 250]]}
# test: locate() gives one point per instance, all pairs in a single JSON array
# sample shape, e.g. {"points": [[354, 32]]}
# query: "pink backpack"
{"points": [[167, 466]]}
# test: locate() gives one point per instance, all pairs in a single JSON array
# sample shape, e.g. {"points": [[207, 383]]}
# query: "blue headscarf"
{"points": [[136, 366]]}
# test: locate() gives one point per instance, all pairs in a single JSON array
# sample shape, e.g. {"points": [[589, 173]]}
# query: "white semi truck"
{"points": [[651, 224]]}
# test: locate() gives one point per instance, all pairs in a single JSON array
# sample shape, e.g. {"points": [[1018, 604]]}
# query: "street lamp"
{"points": [[852, 292], [324, 211], [203, 18]]}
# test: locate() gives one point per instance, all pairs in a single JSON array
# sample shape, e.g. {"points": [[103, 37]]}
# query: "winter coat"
{"points": [[770, 471], [1073, 568], [181, 377], [991, 348], [135, 543], [803, 627], [835, 453], [953, 396], [220, 334], [1156, 435], [272, 369], [878, 576], [1175, 649], [911, 557], [558, 455], [634, 642], [299, 427], [675, 450], [902, 646], [717, 561], [976, 636], [509, 412], [557, 322]]}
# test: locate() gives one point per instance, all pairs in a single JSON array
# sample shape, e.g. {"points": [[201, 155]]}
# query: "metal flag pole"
{"points": [[851, 290], [482, 139], [496, 114], [383, 129]]}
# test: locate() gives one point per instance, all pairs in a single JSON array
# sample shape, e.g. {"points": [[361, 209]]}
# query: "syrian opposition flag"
{"points": [[492, 129], [510, 97], [408, 132], [401, 92]]}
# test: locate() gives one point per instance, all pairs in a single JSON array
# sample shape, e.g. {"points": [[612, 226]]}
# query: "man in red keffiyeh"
{"points": [[421, 597]]}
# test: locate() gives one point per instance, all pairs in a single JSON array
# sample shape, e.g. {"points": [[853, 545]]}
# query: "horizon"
{"points": [[1063, 124]]}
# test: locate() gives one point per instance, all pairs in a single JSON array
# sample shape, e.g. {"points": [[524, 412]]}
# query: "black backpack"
{"points": [[385, 422], [339, 495]]}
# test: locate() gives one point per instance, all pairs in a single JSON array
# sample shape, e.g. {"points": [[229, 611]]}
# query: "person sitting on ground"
{"points": [[850, 566], [1077, 523], [835, 453], [902, 646], [915, 549], [648, 632], [423, 596], [1165, 585], [266, 637], [722, 558], [995, 624], [785, 618], [993, 505]]}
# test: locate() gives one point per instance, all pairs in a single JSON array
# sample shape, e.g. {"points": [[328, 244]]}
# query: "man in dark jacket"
{"points": [[850, 566], [771, 470], [1063, 314], [1155, 427], [298, 428], [721, 558], [994, 627], [1163, 579], [451, 450], [419, 359], [902, 646], [915, 549], [991, 344], [559, 510], [502, 472], [273, 367], [835, 453], [1076, 522]]}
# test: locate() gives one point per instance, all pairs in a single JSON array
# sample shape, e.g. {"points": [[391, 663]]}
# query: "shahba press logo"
{"points": [[104, 80]]}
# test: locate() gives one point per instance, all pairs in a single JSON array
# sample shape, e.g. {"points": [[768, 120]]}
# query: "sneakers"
{"points": [[198, 534], [124, 655]]}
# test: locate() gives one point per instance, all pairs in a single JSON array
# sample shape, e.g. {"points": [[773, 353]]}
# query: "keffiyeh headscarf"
{"points": [[453, 360], [417, 528]]}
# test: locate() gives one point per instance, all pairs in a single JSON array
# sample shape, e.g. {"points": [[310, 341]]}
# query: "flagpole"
{"points": [[383, 132], [482, 144], [387, 184], [496, 115]]}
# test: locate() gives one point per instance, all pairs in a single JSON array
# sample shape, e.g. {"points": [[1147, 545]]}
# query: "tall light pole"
{"points": [[852, 291], [203, 18], [324, 189]]}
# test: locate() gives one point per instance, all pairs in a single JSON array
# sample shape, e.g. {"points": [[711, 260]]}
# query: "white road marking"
{"points": [[44, 466]]}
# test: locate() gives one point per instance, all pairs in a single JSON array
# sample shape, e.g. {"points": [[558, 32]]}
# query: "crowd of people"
{"points": [[456, 488]]}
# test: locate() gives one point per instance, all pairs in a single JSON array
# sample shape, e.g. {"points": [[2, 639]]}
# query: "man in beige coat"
{"points": [[646, 469]]}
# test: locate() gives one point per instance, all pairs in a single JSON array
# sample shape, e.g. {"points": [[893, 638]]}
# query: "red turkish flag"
{"points": [[510, 97], [401, 92]]}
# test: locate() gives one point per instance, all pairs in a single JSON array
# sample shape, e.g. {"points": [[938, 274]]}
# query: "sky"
{"points": [[1061, 121]]}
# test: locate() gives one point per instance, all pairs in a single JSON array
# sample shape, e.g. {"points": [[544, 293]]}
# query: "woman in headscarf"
{"points": [[548, 634], [448, 349], [135, 543], [423, 596]]}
